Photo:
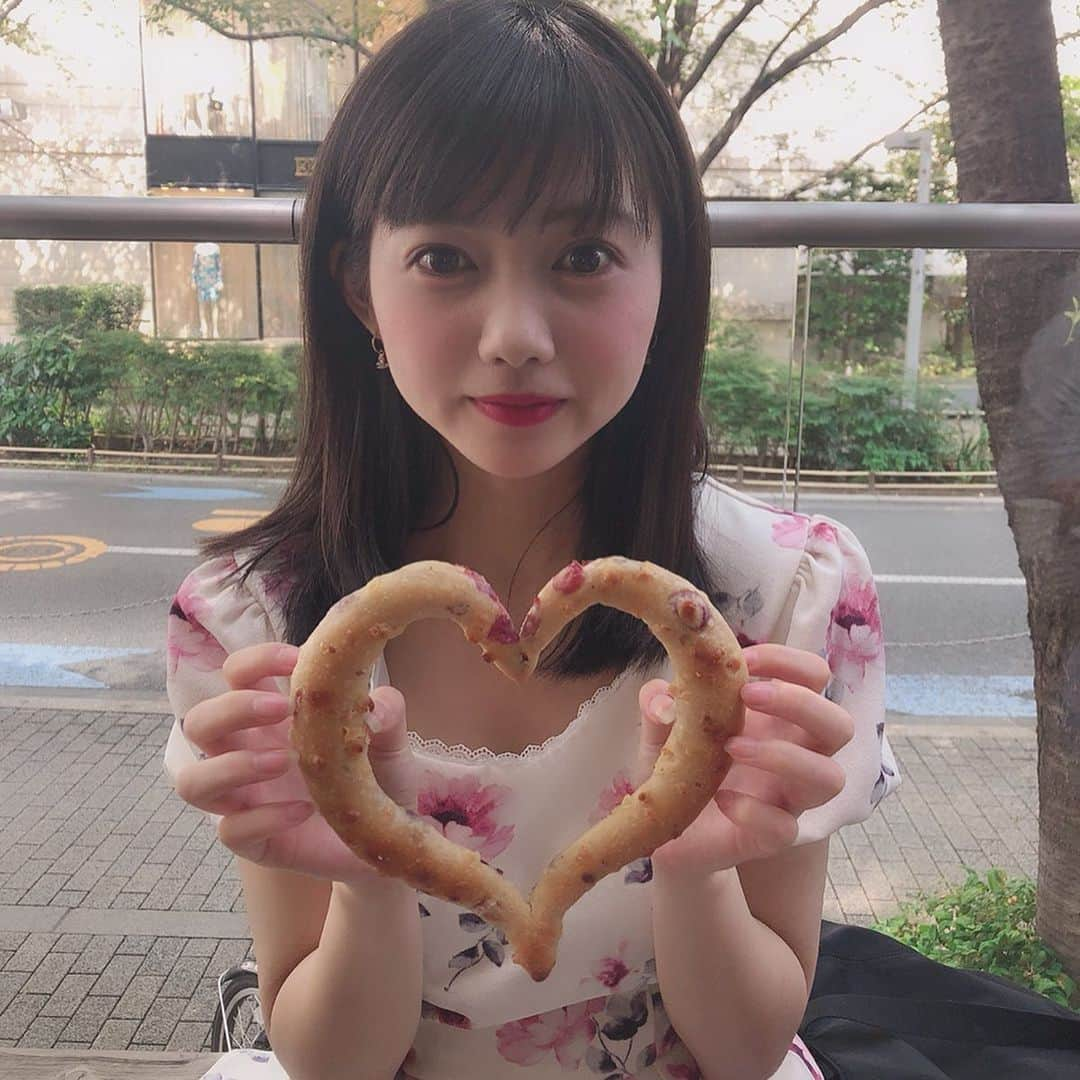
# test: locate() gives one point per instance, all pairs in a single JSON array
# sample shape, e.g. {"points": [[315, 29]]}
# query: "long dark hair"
{"points": [[453, 106]]}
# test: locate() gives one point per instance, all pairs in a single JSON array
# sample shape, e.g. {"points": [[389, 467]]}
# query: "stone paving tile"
{"points": [[87, 821]]}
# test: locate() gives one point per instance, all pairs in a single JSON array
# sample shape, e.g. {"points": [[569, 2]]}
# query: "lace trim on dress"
{"points": [[469, 754]]}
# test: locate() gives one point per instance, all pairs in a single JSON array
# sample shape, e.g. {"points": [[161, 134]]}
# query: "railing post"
{"points": [[871, 480], [739, 475], [90, 456], [220, 462]]}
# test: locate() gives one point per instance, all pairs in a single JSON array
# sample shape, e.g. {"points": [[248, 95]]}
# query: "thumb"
{"points": [[657, 715], [390, 753]]}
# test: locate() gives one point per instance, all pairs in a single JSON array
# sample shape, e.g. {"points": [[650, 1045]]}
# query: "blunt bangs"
{"points": [[513, 107]]}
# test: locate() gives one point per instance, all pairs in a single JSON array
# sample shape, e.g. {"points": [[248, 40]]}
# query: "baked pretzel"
{"points": [[330, 702]]}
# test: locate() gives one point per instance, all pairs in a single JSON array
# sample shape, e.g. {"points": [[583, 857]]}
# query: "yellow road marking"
{"points": [[224, 521], [47, 552]]}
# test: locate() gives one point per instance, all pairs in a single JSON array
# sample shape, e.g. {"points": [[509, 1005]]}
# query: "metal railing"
{"points": [[733, 224], [1017, 226], [745, 477]]}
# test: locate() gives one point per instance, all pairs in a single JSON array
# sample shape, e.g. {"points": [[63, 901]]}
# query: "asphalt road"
{"points": [[87, 614]]}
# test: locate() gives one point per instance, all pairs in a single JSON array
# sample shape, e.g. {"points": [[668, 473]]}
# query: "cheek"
{"points": [[613, 340]]}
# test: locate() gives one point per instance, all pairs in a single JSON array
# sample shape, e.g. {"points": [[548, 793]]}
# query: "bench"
{"points": [[103, 1064]]}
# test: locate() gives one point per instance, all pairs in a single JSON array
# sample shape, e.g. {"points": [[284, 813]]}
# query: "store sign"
{"points": [[196, 161]]}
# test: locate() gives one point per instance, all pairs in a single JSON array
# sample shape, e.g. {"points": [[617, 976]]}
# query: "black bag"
{"points": [[879, 1010]]}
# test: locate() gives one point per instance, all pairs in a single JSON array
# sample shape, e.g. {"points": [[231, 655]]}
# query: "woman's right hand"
{"points": [[251, 778]]}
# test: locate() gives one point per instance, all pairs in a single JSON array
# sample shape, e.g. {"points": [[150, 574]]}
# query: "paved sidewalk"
{"points": [[119, 908]]}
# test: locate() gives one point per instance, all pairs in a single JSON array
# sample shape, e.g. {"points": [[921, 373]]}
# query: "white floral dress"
{"points": [[788, 578]]}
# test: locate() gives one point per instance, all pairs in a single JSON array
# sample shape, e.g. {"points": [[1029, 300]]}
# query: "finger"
{"points": [[806, 779], [829, 725], [763, 829], [216, 724], [657, 716], [773, 661], [390, 751], [257, 834], [234, 780], [247, 668]]}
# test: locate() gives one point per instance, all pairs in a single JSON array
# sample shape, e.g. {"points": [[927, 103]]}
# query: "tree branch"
{"points": [[718, 42], [332, 37], [7, 8], [62, 159], [768, 78], [808, 13], [831, 174]]}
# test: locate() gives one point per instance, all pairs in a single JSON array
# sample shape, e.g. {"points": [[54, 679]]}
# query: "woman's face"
{"points": [[466, 312]]}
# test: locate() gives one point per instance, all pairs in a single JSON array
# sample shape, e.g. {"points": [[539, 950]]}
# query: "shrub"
{"points": [[985, 924], [78, 309]]}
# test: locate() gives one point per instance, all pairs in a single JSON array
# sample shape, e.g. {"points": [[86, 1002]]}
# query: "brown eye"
{"points": [[440, 261], [587, 260]]}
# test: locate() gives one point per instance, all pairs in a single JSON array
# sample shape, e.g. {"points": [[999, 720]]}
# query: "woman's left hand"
{"points": [[782, 762]]}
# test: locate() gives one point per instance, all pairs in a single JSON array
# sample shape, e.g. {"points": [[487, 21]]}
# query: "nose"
{"points": [[516, 329]]}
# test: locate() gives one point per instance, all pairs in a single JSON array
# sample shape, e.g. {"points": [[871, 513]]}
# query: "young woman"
{"points": [[505, 262]]}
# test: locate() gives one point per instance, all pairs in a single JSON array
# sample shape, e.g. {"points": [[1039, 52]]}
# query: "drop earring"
{"points": [[381, 362]]}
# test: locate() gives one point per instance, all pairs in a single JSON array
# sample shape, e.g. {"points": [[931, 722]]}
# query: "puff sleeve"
{"points": [[212, 615], [832, 610]]}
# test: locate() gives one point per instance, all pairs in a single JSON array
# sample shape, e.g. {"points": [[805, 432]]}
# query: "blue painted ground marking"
{"points": [[187, 494], [960, 695], [41, 665]]}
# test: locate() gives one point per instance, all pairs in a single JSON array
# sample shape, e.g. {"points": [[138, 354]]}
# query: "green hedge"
{"points": [[849, 421], [78, 309], [79, 369]]}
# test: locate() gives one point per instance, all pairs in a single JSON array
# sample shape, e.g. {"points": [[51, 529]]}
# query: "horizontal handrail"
{"points": [[735, 224]]}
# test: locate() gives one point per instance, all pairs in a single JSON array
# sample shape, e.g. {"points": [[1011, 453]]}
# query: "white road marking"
{"points": [[188, 553], [932, 579], [883, 579]]}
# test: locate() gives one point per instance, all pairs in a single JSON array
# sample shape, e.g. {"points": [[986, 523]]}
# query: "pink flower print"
{"points": [[611, 796], [790, 531], [192, 604], [610, 970], [796, 532], [188, 640], [464, 811], [565, 1032], [684, 1072], [854, 637]]}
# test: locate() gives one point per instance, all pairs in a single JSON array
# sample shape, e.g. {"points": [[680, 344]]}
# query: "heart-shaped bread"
{"points": [[330, 703]]}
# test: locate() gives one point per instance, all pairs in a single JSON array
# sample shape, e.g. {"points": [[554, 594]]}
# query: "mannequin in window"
{"points": [[206, 277]]}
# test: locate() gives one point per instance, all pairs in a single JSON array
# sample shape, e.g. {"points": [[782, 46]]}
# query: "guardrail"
{"points": [[747, 477]]}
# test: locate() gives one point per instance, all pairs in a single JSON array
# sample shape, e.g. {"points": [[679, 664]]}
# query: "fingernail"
{"points": [[288, 652], [274, 761], [376, 721], [758, 694], [663, 709], [270, 705]]}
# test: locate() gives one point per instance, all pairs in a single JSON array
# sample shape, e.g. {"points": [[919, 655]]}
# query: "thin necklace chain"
{"points": [[510, 590]]}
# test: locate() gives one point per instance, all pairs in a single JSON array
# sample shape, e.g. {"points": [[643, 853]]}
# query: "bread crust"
{"points": [[330, 701]]}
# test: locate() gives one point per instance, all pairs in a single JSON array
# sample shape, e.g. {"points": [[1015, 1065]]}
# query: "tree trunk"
{"points": [[1005, 104]]}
